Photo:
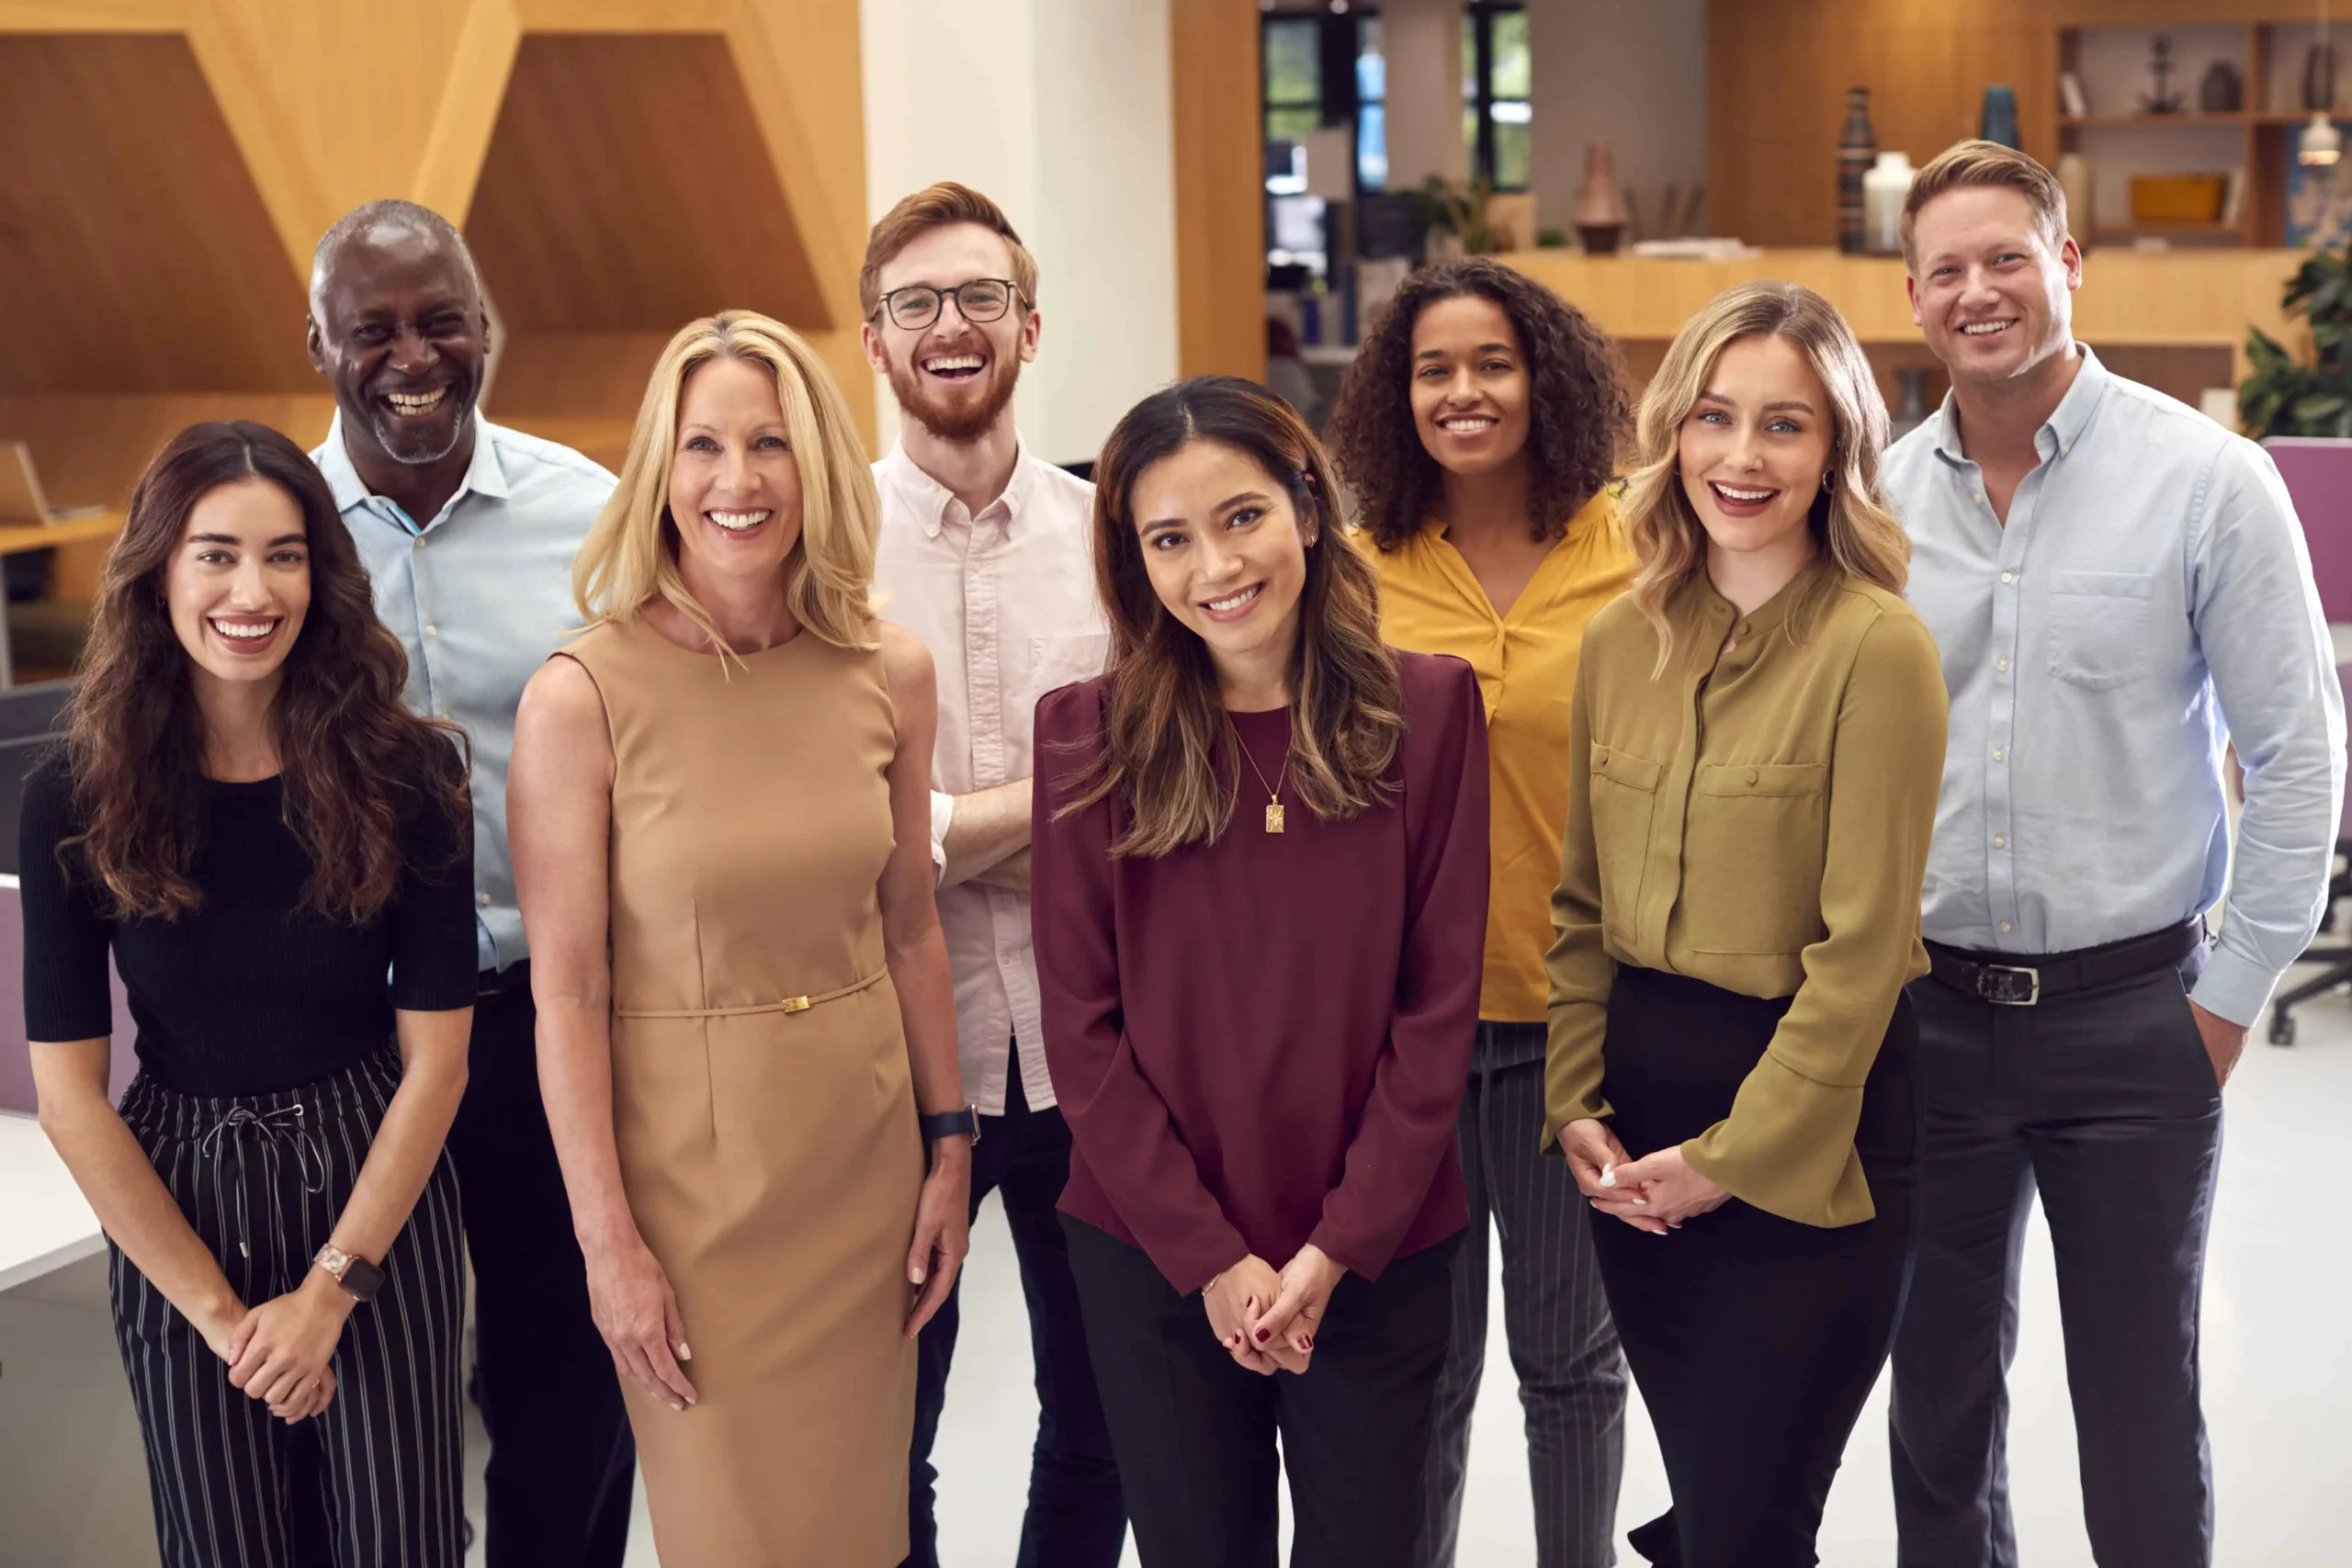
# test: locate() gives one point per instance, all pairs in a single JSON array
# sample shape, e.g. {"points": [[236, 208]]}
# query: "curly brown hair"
{"points": [[357, 763], [1579, 411]]}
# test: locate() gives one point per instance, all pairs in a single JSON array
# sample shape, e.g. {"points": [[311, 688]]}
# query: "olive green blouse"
{"points": [[1757, 819]]}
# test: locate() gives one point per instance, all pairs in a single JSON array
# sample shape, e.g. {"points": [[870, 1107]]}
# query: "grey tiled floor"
{"points": [[2277, 1358]]}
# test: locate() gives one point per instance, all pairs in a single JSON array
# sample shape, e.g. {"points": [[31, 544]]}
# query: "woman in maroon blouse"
{"points": [[1259, 895]]}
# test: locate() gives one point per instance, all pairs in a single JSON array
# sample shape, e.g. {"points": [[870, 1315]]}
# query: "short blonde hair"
{"points": [[942, 206], [1988, 163], [630, 557], [1851, 523]]}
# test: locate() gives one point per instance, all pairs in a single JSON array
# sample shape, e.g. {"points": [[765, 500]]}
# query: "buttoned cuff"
{"points": [[942, 817], [2233, 987]]}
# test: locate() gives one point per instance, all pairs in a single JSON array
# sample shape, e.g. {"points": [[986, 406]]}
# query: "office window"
{"points": [[1496, 83]]}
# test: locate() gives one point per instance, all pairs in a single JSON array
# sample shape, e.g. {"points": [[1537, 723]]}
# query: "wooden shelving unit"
{"points": [[2264, 131]]}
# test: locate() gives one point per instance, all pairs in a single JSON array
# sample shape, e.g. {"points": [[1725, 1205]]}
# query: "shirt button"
{"points": [[2008, 577], [420, 541], [1999, 843], [1979, 498], [483, 900], [2000, 754], [431, 630], [2003, 666], [1751, 775], [2005, 925]]}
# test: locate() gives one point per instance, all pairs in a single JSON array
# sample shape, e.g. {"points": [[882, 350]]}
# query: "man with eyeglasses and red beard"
{"points": [[986, 554]]}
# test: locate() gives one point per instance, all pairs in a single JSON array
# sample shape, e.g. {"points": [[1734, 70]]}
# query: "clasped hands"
{"points": [[1654, 1193], [1266, 1320], [280, 1351]]}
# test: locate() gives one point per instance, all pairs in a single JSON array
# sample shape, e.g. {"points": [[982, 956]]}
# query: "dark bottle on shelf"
{"points": [[1856, 151]]}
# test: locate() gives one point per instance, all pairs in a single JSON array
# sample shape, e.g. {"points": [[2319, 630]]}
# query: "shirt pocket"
{"points": [[1624, 805], [1753, 844], [2099, 623]]}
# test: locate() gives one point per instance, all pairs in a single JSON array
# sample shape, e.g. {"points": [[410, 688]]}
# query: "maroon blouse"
{"points": [[1262, 1042]]}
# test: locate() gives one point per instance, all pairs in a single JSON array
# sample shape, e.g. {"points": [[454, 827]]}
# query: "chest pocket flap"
{"points": [[1762, 778], [1625, 768]]}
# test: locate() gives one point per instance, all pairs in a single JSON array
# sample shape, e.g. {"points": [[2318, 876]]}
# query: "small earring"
{"points": [[1829, 480]]}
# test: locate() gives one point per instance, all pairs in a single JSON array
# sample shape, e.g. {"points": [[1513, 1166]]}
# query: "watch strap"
{"points": [[963, 1123], [359, 1278]]}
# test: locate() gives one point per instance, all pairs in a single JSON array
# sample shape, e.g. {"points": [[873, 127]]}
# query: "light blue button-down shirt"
{"points": [[479, 596], [2150, 601]]}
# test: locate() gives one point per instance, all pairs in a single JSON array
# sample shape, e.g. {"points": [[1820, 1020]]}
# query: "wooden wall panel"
{"points": [[627, 188], [1778, 74], [136, 254], [1220, 187]]}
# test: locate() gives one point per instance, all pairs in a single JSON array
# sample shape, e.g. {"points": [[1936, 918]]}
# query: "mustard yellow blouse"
{"points": [[1757, 819], [1526, 664]]}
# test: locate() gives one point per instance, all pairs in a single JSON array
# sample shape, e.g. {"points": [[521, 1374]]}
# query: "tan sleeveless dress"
{"points": [[762, 1098]]}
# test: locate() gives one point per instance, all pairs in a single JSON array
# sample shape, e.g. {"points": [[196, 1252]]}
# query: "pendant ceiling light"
{"points": [[2321, 143]]}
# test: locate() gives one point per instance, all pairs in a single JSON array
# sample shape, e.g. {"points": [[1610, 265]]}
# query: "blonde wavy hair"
{"points": [[1852, 526], [630, 557]]}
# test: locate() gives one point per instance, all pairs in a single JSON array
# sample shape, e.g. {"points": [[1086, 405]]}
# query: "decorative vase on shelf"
{"points": [[1999, 122], [1600, 215], [2319, 78], [2075, 178], [1885, 188], [1856, 151], [2220, 92], [1913, 411]]}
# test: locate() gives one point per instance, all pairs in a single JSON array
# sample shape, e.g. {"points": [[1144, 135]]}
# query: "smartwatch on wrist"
{"points": [[962, 1124], [360, 1280]]}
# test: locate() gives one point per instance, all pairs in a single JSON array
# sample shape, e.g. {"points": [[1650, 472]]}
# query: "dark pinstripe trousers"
{"points": [[1555, 1316], [374, 1481]]}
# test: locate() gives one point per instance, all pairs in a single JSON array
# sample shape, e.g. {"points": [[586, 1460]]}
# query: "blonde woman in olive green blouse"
{"points": [[1756, 746]]}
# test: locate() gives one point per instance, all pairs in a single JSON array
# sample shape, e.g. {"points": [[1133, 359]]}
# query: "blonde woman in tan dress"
{"points": [[725, 782]]}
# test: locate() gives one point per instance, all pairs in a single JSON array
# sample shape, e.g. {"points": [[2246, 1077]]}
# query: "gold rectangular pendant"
{"points": [[1274, 818]]}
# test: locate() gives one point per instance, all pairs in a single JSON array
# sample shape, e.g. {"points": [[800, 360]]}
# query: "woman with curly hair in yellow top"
{"points": [[1480, 429]]}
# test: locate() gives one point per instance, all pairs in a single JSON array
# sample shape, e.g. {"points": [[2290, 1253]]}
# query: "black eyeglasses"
{"points": [[918, 305]]}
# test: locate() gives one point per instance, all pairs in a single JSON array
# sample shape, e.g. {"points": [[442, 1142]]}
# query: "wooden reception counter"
{"points": [[2189, 307]]}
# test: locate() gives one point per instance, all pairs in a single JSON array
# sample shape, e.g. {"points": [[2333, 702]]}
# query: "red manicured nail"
{"points": [[1264, 1334], [1307, 1342]]}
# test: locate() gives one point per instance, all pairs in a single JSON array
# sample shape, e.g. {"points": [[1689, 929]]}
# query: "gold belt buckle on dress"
{"points": [[796, 1004]]}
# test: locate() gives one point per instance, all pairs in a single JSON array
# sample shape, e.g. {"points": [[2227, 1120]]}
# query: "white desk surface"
{"points": [[44, 1222]]}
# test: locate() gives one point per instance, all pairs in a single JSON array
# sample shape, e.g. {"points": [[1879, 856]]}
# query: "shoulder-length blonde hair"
{"points": [[1852, 526], [630, 557]]}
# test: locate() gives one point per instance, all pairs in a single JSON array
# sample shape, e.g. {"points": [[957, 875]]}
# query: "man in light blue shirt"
{"points": [[2120, 590], [469, 530]]}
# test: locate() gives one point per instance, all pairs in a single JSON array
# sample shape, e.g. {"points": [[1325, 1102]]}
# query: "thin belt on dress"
{"points": [[789, 1004]]}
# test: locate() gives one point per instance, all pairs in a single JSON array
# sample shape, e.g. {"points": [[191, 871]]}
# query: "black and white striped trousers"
{"points": [[374, 1481], [1556, 1317]]}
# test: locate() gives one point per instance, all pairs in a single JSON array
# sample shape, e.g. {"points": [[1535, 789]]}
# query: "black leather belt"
{"points": [[2022, 980]]}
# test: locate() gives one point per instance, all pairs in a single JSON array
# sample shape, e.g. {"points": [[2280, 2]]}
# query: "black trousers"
{"points": [[1753, 1340], [1075, 1517], [562, 1461], [376, 1481], [1195, 1433], [2105, 1102], [1556, 1317]]}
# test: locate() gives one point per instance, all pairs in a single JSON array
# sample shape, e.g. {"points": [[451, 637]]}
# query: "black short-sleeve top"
{"points": [[251, 993]]}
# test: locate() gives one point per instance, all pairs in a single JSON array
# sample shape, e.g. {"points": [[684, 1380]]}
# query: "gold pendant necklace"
{"points": [[1273, 790]]}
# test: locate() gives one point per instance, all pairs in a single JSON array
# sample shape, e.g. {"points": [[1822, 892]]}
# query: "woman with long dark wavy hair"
{"points": [[1479, 428], [247, 816], [1259, 886]]}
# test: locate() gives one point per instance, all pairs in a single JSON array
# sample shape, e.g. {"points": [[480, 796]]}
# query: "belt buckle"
{"points": [[2008, 985]]}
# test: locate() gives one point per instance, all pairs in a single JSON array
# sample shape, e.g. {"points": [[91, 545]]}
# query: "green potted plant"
{"points": [[1459, 211], [2285, 396]]}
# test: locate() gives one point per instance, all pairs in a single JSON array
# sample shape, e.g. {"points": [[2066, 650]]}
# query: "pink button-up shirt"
{"points": [[1005, 601]]}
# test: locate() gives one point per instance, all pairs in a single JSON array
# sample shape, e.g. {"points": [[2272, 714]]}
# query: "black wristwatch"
{"points": [[965, 1123]]}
